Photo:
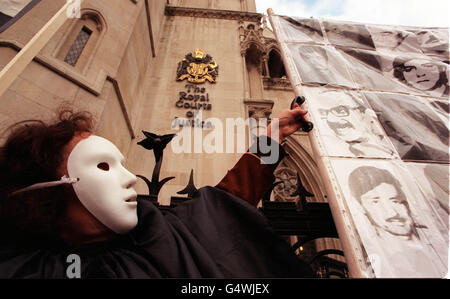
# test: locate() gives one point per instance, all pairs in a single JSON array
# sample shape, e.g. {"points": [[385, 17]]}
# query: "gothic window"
{"points": [[82, 40], [254, 68], [276, 67], [78, 46]]}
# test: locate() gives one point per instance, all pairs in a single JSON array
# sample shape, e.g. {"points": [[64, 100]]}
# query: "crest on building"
{"points": [[198, 68]]}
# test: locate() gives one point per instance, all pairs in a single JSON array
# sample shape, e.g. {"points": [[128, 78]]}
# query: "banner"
{"points": [[379, 98]]}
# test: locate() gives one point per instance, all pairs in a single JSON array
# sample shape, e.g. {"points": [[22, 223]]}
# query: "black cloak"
{"points": [[215, 235]]}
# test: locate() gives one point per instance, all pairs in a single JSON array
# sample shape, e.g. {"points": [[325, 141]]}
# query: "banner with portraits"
{"points": [[379, 99], [411, 59]]}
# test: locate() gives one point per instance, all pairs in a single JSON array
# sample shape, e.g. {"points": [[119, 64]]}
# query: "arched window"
{"points": [[253, 59], [276, 67], [78, 46], [82, 40]]}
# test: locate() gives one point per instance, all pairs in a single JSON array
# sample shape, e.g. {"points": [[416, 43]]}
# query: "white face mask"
{"points": [[105, 187]]}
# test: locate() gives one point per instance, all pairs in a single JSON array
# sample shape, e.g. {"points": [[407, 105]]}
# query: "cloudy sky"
{"points": [[424, 13]]}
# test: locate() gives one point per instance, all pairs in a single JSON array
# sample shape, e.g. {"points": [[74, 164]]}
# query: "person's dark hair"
{"points": [[399, 69], [368, 58], [33, 153], [366, 178], [357, 33], [401, 36]]}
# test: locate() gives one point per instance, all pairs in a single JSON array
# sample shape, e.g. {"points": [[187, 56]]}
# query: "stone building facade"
{"points": [[120, 61]]}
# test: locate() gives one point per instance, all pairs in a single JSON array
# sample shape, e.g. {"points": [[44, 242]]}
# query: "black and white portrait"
{"points": [[321, 65], [347, 126], [434, 41], [393, 39], [301, 29], [422, 74], [368, 69], [378, 98], [389, 214], [383, 201], [349, 35], [433, 180], [370, 59], [416, 131]]}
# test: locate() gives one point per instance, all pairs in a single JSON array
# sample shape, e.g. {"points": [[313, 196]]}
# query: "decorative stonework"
{"points": [[259, 112], [277, 83], [198, 68], [283, 191], [213, 14], [252, 35], [258, 109]]}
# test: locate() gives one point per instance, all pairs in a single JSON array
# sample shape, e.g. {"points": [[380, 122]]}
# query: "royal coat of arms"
{"points": [[197, 68]]}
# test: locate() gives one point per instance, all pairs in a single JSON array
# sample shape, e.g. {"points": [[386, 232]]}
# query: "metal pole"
{"points": [[347, 236]]}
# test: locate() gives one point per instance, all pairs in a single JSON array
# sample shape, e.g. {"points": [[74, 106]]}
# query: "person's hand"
{"points": [[288, 123]]}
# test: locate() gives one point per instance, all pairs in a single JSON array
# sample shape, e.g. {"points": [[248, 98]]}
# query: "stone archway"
{"points": [[300, 161]]}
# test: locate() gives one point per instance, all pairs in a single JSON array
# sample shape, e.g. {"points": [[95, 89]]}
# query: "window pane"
{"points": [[78, 46]]}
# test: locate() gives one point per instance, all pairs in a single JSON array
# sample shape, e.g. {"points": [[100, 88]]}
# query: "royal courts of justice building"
{"points": [[122, 60]]}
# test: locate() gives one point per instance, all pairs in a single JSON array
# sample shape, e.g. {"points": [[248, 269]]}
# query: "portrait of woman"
{"points": [[422, 74], [322, 65]]}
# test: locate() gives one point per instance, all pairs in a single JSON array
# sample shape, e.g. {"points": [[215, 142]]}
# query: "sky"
{"points": [[422, 13]]}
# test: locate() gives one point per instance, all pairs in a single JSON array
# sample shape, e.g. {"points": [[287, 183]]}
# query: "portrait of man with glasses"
{"points": [[348, 127]]}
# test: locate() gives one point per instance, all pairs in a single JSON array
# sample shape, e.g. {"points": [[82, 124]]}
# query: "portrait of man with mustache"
{"points": [[402, 244], [383, 201], [346, 120]]}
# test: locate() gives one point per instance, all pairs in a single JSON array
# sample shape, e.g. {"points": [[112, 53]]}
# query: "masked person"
{"points": [[65, 191]]}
